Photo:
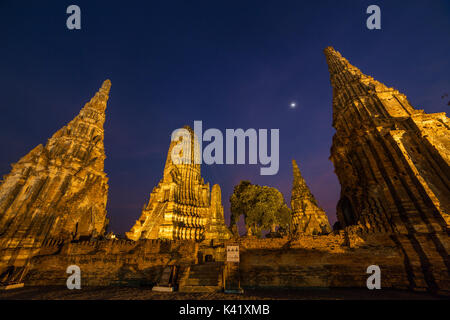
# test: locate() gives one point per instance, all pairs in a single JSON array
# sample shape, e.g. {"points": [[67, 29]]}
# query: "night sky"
{"points": [[231, 64]]}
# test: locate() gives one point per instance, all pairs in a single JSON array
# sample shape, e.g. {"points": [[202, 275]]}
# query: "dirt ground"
{"points": [[145, 293]]}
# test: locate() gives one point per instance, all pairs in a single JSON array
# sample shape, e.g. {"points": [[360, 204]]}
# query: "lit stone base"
{"points": [[162, 289], [12, 286]]}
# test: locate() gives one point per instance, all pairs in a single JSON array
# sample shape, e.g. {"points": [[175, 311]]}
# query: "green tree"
{"points": [[263, 208], [236, 201], [284, 220], [242, 201]]}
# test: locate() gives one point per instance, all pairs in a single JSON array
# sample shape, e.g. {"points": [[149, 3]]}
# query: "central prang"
{"points": [[181, 206]]}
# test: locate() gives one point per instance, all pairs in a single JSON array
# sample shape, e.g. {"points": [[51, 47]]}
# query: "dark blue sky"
{"points": [[231, 64]]}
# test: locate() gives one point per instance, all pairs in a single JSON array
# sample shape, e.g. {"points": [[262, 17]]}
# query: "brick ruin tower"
{"points": [[182, 206], [393, 164], [58, 191], [308, 217], [392, 160]]}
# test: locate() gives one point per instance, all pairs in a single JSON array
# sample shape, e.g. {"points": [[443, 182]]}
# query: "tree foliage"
{"points": [[263, 208]]}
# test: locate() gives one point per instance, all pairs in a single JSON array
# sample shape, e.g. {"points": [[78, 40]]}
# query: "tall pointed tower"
{"points": [[181, 206], [308, 217], [393, 161], [59, 191]]}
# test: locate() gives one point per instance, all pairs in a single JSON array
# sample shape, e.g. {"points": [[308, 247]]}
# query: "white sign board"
{"points": [[232, 253]]}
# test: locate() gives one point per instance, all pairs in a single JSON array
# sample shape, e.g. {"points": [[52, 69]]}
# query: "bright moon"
{"points": [[293, 105]]}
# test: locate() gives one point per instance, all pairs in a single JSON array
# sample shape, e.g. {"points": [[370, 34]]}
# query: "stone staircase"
{"points": [[206, 277]]}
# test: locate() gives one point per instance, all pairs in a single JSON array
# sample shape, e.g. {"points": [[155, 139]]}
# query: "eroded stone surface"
{"points": [[182, 206], [57, 191], [308, 217], [392, 162]]}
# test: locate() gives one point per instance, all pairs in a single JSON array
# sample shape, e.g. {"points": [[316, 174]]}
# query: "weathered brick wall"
{"points": [[112, 262], [337, 260]]}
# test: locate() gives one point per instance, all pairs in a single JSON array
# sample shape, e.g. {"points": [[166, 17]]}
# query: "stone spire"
{"points": [[59, 190], [181, 205], [189, 170], [299, 189], [308, 217], [216, 228], [392, 161]]}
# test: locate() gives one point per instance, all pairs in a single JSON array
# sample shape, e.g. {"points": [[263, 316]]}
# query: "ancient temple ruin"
{"points": [[393, 164], [308, 217], [58, 191], [392, 160], [182, 206]]}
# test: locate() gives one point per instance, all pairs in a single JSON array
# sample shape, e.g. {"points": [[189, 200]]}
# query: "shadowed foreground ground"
{"points": [[145, 293]]}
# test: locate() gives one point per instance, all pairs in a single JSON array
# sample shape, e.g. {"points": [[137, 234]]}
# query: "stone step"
{"points": [[214, 275], [199, 273], [203, 289], [202, 278], [202, 282], [205, 267], [204, 270]]}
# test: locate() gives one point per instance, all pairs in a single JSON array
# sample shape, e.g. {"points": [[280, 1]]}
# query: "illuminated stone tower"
{"points": [[181, 206], [392, 160], [58, 191], [308, 217]]}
